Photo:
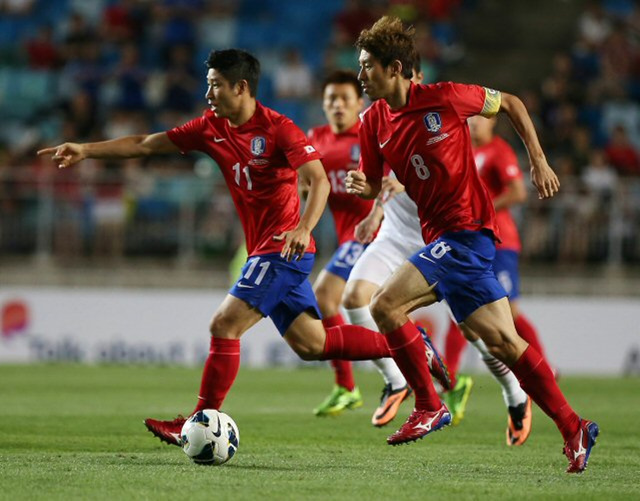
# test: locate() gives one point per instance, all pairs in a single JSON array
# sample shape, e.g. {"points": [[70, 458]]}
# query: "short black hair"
{"points": [[236, 65], [343, 77]]}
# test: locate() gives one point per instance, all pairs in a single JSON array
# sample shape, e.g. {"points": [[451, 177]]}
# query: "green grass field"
{"points": [[76, 432]]}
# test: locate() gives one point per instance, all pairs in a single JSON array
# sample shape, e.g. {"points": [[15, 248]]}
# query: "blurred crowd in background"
{"points": [[74, 70]]}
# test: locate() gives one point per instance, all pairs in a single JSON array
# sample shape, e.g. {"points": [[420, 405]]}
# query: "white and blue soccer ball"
{"points": [[210, 437]]}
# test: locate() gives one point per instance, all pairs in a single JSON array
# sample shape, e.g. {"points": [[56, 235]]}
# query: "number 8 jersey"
{"points": [[258, 161], [428, 146]]}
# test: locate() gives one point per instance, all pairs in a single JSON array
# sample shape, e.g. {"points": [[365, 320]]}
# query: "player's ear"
{"points": [[395, 67], [242, 86]]}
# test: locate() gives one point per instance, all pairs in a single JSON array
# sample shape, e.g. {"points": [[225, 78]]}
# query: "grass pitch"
{"points": [[76, 432]]}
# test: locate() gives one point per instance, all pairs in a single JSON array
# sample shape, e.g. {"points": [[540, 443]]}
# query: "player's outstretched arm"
{"points": [[313, 176], [68, 154], [542, 176], [357, 183]]}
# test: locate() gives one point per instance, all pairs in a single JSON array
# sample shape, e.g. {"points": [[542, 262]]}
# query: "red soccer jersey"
{"points": [[340, 154], [498, 167], [258, 161], [428, 146]]}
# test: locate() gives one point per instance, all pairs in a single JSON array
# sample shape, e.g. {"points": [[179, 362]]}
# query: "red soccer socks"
{"points": [[220, 371]]}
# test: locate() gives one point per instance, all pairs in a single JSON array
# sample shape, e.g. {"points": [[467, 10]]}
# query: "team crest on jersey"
{"points": [[432, 122], [258, 145], [355, 153]]}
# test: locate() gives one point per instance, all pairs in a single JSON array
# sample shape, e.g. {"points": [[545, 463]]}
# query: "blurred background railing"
{"points": [[151, 211]]}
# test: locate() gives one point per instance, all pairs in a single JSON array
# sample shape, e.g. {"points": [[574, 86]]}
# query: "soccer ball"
{"points": [[210, 437]]}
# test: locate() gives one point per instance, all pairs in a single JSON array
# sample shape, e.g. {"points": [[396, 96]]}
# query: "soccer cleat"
{"points": [[579, 447], [166, 431], [339, 400], [389, 404], [437, 367], [456, 399], [419, 424], [519, 423]]}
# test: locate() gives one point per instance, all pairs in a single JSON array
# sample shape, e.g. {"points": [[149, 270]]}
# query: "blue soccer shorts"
{"points": [[505, 266], [344, 259], [279, 289], [460, 265]]}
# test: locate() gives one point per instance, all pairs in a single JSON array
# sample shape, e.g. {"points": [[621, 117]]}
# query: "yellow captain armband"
{"points": [[492, 100]]}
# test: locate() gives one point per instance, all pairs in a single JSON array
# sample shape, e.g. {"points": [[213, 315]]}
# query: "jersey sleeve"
{"points": [[371, 160], [506, 165], [190, 136], [469, 100], [295, 145]]}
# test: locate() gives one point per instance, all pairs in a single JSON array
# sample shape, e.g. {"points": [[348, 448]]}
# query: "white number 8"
{"points": [[422, 171]]}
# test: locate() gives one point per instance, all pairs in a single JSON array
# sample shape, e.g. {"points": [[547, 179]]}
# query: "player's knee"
{"points": [[355, 297], [381, 307], [222, 326], [327, 302]]}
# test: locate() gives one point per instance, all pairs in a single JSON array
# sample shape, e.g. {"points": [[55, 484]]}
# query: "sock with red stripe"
{"points": [[454, 345], [512, 394], [408, 351], [537, 379], [528, 332], [341, 368], [220, 371], [352, 342]]}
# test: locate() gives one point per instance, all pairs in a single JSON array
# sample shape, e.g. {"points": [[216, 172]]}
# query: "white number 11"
{"points": [[245, 169]]}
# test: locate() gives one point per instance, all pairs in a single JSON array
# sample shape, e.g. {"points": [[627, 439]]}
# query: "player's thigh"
{"points": [[493, 323], [358, 293], [233, 318], [306, 336], [406, 290], [328, 289]]}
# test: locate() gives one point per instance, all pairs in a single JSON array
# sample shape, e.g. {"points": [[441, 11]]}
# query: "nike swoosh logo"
{"points": [[382, 145], [219, 139], [219, 429], [176, 436], [244, 286], [427, 258]]}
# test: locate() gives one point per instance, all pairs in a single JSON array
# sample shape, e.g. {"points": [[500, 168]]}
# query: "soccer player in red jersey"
{"points": [[421, 132], [261, 154], [338, 144]]}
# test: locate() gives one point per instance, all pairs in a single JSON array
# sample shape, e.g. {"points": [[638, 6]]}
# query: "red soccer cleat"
{"points": [[166, 431], [437, 367], [579, 447], [420, 424]]}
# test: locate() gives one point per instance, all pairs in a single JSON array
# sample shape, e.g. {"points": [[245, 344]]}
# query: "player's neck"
{"points": [[244, 114], [399, 96], [340, 128]]}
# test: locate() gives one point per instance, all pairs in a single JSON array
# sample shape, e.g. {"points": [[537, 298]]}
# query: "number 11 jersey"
{"points": [[258, 161]]}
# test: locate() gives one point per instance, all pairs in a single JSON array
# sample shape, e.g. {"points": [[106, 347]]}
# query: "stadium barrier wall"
{"points": [[141, 326]]}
